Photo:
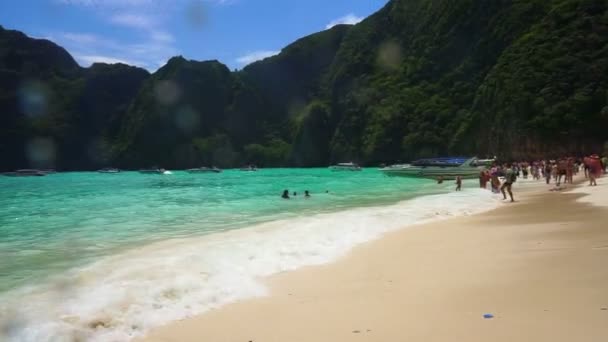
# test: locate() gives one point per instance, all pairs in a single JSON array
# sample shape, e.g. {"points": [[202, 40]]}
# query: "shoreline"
{"points": [[131, 293], [479, 265]]}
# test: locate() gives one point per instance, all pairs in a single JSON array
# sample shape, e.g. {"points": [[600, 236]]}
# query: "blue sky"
{"points": [[147, 33]]}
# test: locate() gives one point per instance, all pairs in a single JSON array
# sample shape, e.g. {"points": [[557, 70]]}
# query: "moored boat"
{"points": [[345, 167], [109, 170], [26, 173], [446, 168], [154, 171], [249, 168], [204, 170]]}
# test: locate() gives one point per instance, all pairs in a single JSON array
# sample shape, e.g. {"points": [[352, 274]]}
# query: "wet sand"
{"points": [[539, 266]]}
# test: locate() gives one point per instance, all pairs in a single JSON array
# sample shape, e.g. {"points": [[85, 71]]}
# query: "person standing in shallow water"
{"points": [[484, 177], [494, 181], [306, 194], [458, 183], [285, 194], [509, 180]]}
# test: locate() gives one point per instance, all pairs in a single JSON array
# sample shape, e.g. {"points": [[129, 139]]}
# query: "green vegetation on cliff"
{"points": [[54, 113], [418, 78]]}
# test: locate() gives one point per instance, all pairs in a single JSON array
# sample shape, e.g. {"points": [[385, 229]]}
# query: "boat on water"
{"points": [[109, 170], [154, 171], [26, 173], [345, 167], [447, 168], [485, 162], [249, 168], [204, 170]]}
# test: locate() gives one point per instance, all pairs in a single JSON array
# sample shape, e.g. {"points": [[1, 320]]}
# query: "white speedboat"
{"points": [[345, 167], [446, 168], [204, 170], [154, 171], [109, 170], [484, 162]]}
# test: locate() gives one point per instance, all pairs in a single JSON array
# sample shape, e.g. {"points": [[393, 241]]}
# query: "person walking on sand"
{"points": [[458, 183], [510, 178], [569, 171], [595, 169], [548, 170], [554, 171], [592, 176]]}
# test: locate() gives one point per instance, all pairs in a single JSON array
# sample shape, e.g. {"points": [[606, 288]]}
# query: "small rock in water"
{"points": [[488, 316]]}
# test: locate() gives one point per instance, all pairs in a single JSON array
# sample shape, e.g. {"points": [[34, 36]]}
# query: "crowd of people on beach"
{"points": [[502, 176], [562, 171]]}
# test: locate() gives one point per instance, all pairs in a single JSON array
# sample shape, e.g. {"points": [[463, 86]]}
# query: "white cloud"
{"points": [[162, 36], [349, 19], [148, 19], [138, 21], [135, 3], [146, 53], [87, 60], [107, 3], [83, 38], [255, 56], [154, 42]]}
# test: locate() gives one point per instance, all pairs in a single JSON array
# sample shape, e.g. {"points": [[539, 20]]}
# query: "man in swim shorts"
{"points": [[509, 180]]}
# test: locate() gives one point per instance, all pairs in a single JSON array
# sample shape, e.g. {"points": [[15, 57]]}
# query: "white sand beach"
{"points": [[538, 267]]}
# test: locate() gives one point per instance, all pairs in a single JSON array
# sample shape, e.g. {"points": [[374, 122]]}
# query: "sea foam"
{"points": [[124, 296]]}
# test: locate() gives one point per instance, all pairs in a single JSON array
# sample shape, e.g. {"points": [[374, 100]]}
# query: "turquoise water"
{"points": [[54, 223]]}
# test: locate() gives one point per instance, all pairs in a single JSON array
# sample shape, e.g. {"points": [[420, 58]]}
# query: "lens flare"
{"points": [[389, 56], [167, 92], [196, 15], [33, 99], [187, 120], [41, 152]]}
